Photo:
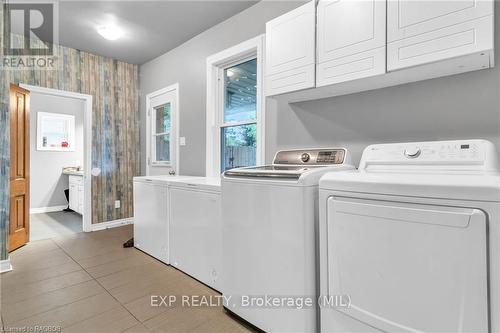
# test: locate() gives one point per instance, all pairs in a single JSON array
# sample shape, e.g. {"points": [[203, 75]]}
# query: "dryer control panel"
{"points": [[474, 155]]}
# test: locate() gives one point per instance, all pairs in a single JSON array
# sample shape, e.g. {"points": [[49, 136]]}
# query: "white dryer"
{"points": [[269, 238], [412, 240]]}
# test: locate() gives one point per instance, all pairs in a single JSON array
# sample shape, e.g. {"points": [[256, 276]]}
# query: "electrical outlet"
{"points": [[182, 141], [117, 203]]}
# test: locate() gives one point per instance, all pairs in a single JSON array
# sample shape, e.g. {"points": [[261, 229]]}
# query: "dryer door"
{"points": [[409, 267]]}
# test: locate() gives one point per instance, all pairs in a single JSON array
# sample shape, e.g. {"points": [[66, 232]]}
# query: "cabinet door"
{"points": [[290, 50], [196, 234], [73, 197], [351, 40], [80, 199], [151, 220], [419, 32]]}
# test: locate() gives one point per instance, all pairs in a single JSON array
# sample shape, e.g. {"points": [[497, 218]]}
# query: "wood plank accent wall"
{"points": [[115, 124]]}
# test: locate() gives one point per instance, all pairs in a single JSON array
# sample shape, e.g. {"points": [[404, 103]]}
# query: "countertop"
{"points": [[208, 183], [73, 173]]}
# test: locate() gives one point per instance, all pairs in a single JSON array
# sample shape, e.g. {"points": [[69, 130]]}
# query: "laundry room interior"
{"points": [[251, 166]]}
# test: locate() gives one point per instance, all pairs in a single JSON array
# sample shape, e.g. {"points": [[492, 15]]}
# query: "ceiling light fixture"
{"points": [[110, 32]]}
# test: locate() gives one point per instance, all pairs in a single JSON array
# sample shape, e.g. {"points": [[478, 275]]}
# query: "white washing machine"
{"points": [[269, 238], [410, 242]]}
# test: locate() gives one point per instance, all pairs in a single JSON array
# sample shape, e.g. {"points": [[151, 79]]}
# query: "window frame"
{"points": [[221, 107], [216, 64], [154, 135], [156, 167]]}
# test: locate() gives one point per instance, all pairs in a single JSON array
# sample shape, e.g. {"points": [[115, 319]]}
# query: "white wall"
{"points": [[460, 106], [47, 183]]}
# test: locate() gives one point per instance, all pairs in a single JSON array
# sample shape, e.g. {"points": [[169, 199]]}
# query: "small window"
{"points": [[161, 133], [55, 132], [239, 126]]}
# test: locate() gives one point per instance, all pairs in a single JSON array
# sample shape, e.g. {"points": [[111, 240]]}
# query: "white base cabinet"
{"points": [[196, 231], [76, 193], [350, 40]]}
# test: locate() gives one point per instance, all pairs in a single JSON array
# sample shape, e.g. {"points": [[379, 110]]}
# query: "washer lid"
{"points": [[271, 171], [477, 187]]}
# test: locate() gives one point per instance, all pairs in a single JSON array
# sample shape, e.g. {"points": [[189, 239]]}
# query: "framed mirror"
{"points": [[55, 132]]}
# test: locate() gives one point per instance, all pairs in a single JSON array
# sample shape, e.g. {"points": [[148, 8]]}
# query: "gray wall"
{"points": [[47, 184], [187, 65], [460, 106]]}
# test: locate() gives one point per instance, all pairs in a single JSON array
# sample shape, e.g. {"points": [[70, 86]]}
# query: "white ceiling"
{"points": [[151, 28]]}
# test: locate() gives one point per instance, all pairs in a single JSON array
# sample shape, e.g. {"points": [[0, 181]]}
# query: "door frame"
{"points": [[87, 144], [175, 122]]}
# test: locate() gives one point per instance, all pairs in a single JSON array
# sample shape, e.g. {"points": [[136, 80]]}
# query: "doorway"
{"points": [[60, 133]]}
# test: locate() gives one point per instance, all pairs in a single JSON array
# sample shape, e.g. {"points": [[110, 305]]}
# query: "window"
{"points": [[239, 126], [161, 133], [55, 132], [235, 112]]}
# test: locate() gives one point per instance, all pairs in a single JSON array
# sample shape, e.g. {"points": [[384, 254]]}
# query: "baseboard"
{"points": [[5, 266], [112, 224], [47, 209]]}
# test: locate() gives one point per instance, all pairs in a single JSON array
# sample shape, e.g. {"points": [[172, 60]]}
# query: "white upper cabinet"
{"points": [[359, 45], [350, 40], [420, 32], [290, 50]]}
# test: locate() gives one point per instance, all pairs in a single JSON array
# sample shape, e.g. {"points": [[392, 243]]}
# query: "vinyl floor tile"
{"points": [[28, 291], [87, 282], [72, 313], [54, 224], [139, 328], [118, 254], [115, 320], [119, 265], [222, 323], [51, 300], [20, 277], [180, 319]]}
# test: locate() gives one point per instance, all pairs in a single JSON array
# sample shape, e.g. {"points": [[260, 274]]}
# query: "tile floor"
{"points": [[54, 224], [87, 282]]}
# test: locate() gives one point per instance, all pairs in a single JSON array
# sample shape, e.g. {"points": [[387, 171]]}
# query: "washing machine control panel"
{"points": [[479, 154], [311, 156]]}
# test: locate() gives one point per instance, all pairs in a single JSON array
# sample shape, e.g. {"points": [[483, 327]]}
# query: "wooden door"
{"points": [[19, 167]]}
